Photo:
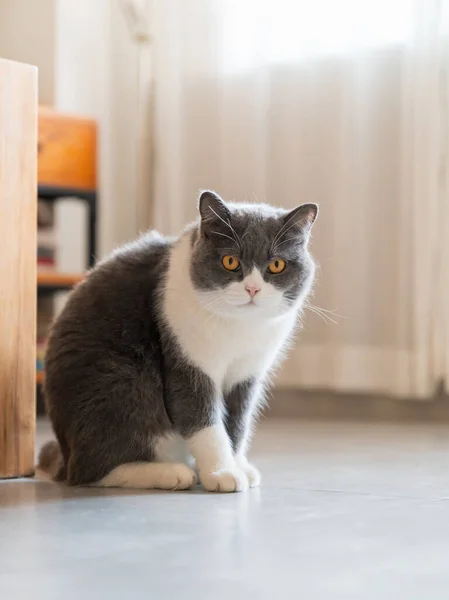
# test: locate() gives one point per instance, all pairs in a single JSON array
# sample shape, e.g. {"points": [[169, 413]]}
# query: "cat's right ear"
{"points": [[213, 210]]}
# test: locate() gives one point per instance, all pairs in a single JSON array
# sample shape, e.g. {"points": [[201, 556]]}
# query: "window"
{"points": [[258, 32]]}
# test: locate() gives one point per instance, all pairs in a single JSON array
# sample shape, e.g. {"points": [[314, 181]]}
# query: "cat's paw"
{"points": [[176, 476], [150, 476], [252, 474], [225, 480]]}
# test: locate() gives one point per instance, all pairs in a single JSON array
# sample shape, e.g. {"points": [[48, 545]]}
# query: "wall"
{"points": [[95, 74], [87, 65], [27, 34]]}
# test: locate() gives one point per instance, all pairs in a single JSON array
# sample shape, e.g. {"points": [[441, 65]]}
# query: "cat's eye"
{"points": [[230, 263], [276, 266]]}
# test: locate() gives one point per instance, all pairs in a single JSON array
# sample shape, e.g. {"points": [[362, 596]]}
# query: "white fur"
{"points": [[221, 332], [252, 474], [211, 449], [231, 339], [214, 459], [147, 475]]}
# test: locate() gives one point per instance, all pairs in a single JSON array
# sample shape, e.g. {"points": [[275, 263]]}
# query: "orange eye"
{"points": [[230, 263], [276, 266]]}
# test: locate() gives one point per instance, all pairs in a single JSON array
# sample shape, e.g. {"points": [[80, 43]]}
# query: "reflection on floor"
{"points": [[346, 511]]}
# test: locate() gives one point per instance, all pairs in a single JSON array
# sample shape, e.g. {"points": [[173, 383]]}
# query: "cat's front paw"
{"points": [[250, 471], [225, 481]]}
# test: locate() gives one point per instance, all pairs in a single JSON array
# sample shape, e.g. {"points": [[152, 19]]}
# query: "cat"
{"points": [[175, 339]]}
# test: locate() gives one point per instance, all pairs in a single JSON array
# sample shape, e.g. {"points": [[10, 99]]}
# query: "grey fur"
{"points": [[237, 404], [116, 377], [250, 232]]}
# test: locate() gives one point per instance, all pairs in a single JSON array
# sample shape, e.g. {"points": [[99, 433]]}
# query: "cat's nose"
{"points": [[252, 289]]}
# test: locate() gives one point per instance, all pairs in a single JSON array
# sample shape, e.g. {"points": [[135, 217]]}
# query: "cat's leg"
{"points": [[115, 430], [196, 410], [116, 463], [217, 467], [241, 403]]}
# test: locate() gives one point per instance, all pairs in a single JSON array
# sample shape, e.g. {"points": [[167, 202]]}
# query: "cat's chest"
{"points": [[230, 352]]}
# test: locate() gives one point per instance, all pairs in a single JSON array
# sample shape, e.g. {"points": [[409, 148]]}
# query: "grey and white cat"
{"points": [[174, 339]]}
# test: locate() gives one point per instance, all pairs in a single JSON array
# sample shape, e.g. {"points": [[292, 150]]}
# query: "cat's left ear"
{"points": [[300, 220]]}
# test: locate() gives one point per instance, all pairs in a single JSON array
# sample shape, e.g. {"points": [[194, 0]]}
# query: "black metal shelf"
{"points": [[90, 197]]}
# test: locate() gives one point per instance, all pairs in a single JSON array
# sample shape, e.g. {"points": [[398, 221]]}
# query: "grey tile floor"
{"points": [[346, 511]]}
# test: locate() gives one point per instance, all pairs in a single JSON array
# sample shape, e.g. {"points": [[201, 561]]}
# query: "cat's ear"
{"points": [[300, 220], [212, 208]]}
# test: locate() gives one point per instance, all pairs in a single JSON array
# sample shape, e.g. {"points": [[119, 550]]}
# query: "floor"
{"points": [[346, 511]]}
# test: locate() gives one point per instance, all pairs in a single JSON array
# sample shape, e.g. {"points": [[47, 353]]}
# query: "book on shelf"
{"points": [[45, 214], [46, 237], [46, 258], [46, 241], [40, 353], [44, 319]]}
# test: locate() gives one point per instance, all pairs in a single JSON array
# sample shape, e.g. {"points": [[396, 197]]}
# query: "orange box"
{"points": [[67, 150]]}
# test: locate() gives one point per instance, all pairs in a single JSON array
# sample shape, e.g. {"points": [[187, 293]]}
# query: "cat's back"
{"points": [[115, 308]]}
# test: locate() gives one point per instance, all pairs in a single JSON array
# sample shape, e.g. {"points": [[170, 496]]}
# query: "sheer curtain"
{"points": [[340, 102]]}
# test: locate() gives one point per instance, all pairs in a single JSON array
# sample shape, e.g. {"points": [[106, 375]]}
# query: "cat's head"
{"points": [[249, 260]]}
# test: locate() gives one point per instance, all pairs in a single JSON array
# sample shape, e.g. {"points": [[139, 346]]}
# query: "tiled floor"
{"points": [[346, 511]]}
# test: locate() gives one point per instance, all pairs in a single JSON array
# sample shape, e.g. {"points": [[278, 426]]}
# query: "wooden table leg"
{"points": [[18, 225]]}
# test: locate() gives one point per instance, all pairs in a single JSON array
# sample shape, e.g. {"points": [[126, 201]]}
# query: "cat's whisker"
{"points": [[331, 311], [288, 229], [323, 315], [282, 229], [245, 234], [279, 233], [236, 237], [227, 248], [318, 314], [226, 236], [275, 249], [213, 301], [322, 312]]}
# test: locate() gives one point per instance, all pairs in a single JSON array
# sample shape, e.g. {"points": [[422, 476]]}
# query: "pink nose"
{"points": [[252, 290]]}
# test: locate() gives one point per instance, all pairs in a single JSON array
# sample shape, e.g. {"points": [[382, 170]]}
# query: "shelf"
{"points": [[57, 281], [53, 193]]}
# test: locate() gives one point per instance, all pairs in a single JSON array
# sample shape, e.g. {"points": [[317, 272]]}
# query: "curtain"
{"points": [[339, 102]]}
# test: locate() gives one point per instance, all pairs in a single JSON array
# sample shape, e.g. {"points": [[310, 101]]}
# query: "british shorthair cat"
{"points": [[173, 339]]}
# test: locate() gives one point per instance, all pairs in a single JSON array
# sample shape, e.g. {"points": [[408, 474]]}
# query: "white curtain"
{"points": [[340, 102]]}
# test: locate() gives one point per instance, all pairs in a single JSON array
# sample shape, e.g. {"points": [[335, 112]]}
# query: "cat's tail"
{"points": [[50, 463]]}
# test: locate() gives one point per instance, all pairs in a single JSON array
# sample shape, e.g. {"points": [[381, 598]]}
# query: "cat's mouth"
{"points": [[249, 304]]}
